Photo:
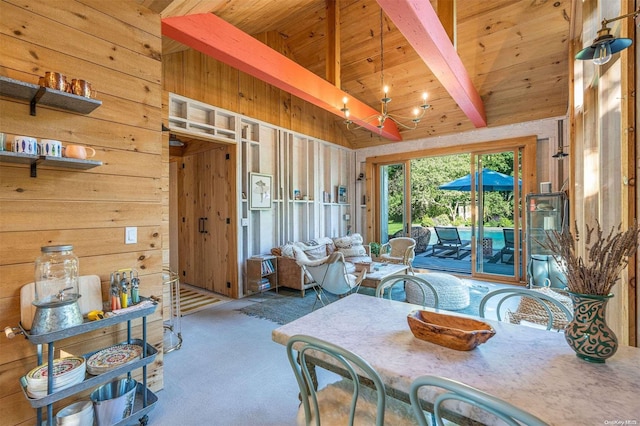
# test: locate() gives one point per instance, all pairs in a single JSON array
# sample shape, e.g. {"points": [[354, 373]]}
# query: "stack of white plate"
{"points": [[66, 372], [77, 414], [113, 357]]}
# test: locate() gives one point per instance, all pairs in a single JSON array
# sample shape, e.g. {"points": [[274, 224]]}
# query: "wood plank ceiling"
{"points": [[516, 53]]}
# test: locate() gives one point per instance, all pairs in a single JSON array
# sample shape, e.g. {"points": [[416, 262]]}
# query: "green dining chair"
{"points": [[542, 306], [466, 394], [411, 282], [360, 397]]}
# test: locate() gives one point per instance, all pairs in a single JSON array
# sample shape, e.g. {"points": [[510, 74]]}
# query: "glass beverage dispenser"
{"points": [[56, 285]]}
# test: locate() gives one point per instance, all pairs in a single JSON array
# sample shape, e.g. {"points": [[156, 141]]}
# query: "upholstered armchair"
{"points": [[399, 250]]}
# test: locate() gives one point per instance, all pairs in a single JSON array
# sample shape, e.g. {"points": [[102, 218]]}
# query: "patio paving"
{"points": [[492, 264]]}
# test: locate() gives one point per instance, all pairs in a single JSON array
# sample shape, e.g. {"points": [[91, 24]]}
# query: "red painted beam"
{"points": [[420, 25], [222, 41]]}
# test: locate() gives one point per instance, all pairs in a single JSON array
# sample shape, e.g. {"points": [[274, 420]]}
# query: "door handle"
{"points": [[201, 225], [204, 225]]}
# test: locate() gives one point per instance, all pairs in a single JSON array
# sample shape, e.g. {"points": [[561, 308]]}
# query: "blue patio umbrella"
{"points": [[491, 181]]}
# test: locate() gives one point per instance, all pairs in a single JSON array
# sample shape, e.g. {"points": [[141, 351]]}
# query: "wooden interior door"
{"points": [[204, 215]]}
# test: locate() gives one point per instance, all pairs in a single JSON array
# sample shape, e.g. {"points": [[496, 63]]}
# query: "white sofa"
{"points": [[291, 275]]}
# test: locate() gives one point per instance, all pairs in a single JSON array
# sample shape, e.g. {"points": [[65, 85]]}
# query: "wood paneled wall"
{"points": [[604, 146], [116, 46], [194, 75]]}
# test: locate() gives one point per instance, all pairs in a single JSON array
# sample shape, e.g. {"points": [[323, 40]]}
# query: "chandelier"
{"points": [[408, 123]]}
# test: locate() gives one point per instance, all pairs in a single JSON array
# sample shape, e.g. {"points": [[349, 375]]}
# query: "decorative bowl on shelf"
{"points": [[451, 331]]}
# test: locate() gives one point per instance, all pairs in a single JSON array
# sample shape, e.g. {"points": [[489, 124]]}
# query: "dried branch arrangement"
{"points": [[606, 256]]}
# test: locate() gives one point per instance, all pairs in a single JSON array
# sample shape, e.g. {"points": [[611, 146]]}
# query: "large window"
{"points": [[474, 197]]}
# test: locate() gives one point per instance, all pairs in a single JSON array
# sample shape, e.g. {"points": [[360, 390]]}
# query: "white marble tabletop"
{"points": [[533, 369]]}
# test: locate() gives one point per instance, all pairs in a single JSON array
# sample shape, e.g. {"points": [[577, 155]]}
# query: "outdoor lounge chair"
{"points": [[509, 244], [449, 242]]}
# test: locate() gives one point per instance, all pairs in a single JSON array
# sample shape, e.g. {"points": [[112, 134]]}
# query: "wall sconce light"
{"points": [[605, 44], [174, 141], [560, 154]]}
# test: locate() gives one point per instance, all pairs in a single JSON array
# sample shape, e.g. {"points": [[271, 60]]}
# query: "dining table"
{"points": [[531, 368]]}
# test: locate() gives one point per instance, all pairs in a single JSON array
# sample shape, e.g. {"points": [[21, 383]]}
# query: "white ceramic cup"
{"points": [[25, 145], [51, 147]]}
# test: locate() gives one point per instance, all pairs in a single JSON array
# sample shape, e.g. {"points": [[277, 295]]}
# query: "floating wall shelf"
{"points": [[45, 96], [34, 160]]}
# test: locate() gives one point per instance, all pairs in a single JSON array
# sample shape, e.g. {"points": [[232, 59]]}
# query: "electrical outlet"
{"points": [[131, 235]]}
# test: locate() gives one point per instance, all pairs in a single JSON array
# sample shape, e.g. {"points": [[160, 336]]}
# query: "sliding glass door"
{"points": [[393, 178], [474, 198], [496, 225]]}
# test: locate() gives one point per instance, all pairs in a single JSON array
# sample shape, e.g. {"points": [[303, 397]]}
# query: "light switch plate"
{"points": [[131, 235]]}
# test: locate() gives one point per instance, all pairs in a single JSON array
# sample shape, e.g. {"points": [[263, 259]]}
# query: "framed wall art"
{"points": [[260, 191], [341, 194]]}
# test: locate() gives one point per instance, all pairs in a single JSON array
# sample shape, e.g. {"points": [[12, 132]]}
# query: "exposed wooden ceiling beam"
{"points": [[222, 41], [419, 24], [333, 42], [447, 16]]}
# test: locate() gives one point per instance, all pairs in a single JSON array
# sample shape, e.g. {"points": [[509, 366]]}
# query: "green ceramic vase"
{"points": [[587, 333]]}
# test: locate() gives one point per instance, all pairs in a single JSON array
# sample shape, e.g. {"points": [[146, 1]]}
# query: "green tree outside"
{"points": [[432, 206]]}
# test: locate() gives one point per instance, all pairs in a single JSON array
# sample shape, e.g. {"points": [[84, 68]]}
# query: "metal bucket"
{"points": [[113, 402]]}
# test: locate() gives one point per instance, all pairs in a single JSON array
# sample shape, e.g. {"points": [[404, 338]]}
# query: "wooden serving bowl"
{"points": [[459, 333]]}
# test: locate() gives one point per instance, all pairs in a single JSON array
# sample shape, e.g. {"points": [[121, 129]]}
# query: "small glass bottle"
{"points": [[56, 276]]}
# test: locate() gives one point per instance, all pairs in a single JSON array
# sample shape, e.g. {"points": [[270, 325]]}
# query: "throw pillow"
{"points": [[342, 242], [312, 248], [317, 252], [287, 251], [353, 251], [350, 245], [356, 239]]}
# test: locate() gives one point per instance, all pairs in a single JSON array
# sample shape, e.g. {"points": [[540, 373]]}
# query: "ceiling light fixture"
{"points": [[605, 44], [384, 112]]}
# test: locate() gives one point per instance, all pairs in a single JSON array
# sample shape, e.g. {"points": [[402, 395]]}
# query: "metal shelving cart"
{"points": [[145, 399]]}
